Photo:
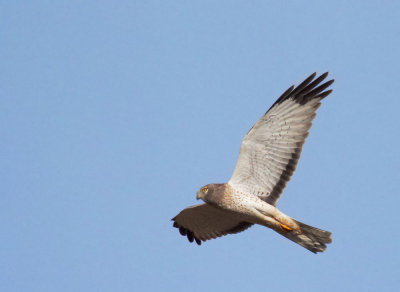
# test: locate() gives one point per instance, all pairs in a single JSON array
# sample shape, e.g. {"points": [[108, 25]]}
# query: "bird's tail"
{"points": [[311, 238]]}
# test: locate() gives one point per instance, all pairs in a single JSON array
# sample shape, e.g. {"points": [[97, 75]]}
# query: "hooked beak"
{"points": [[199, 195]]}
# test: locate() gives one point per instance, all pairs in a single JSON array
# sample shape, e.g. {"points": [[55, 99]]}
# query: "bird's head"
{"points": [[204, 192], [212, 194]]}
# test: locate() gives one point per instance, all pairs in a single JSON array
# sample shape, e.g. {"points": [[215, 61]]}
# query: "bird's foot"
{"points": [[285, 227]]}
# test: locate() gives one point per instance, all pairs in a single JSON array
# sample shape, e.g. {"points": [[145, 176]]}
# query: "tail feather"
{"points": [[311, 238]]}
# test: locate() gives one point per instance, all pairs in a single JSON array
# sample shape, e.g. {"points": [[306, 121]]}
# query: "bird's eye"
{"points": [[204, 189]]}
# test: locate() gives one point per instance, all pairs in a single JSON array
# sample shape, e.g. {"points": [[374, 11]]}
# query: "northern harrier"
{"points": [[268, 157]]}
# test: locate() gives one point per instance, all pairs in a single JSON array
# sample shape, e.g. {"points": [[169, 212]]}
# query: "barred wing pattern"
{"points": [[271, 149], [204, 222]]}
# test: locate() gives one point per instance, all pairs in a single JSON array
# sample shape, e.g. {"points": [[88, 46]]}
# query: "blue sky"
{"points": [[114, 113]]}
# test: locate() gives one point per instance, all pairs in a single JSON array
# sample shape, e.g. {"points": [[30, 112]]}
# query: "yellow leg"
{"points": [[285, 227]]}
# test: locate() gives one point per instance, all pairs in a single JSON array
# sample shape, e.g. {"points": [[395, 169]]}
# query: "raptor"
{"points": [[268, 157]]}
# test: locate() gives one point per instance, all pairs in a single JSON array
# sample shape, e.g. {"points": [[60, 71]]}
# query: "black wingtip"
{"points": [[186, 232], [311, 77], [318, 90], [190, 236], [307, 90], [303, 84], [182, 231], [325, 74], [325, 94], [286, 93]]}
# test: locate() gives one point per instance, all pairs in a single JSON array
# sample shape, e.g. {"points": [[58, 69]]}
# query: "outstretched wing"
{"points": [[271, 149], [203, 222]]}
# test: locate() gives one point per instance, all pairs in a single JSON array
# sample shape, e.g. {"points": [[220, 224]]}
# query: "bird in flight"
{"points": [[268, 157]]}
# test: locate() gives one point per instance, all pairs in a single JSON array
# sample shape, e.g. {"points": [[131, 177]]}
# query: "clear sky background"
{"points": [[114, 113]]}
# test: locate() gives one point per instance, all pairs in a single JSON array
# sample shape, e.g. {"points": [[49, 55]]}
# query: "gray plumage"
{"points": [[268, 157]]}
